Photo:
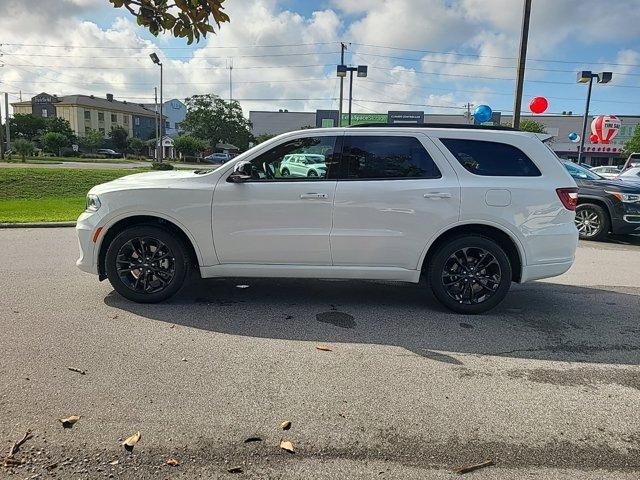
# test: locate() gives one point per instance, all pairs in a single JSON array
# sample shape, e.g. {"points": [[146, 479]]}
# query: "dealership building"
{"points": [[557, 126]]}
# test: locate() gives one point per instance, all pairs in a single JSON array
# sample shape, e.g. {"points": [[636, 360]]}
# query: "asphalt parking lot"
{"points": [[547, 385]]}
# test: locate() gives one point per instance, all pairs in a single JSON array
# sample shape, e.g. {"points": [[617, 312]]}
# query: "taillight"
{"points": [[568, 197]]}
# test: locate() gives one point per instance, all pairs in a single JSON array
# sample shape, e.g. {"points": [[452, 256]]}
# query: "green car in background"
{"points": [[303, 165]]}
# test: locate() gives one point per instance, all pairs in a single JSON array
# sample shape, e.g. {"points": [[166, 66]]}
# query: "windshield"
{"points": [[576, 171], [632, 172]]}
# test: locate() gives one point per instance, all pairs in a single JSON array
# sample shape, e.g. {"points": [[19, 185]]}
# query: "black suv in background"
{"points": [[604, 205]]}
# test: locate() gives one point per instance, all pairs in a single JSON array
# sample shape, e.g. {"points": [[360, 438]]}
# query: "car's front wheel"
{"points": [[146, 264], [592, 222], [470, 274]]}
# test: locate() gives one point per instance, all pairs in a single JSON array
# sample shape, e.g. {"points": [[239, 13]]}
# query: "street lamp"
{"points": [[586, 76], [159, 148], [341, 71]]}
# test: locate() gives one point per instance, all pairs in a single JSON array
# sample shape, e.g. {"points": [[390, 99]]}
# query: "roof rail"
{"points": [[436, 125]]}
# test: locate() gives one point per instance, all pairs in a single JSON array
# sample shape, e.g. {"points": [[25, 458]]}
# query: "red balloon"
{"points": [[538, 105], [593, 138]]}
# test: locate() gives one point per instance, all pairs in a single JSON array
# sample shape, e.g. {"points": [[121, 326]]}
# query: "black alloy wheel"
{"points": [[146, 263], [470, 274]]}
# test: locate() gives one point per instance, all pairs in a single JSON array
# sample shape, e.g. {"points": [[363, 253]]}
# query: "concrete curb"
{"points": [[38, 225]]}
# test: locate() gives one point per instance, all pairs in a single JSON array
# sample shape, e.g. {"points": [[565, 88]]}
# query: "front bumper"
{"points": [[85, 229], [626, 218]]}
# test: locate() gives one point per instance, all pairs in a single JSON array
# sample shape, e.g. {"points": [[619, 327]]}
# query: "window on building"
{"points": [[136, 120], [125, 119], [101, 130], [87, 114], [114, 118], [45, 113], [87, 129], [101, 116], [167, 124], [491, 158], [375, 157]]}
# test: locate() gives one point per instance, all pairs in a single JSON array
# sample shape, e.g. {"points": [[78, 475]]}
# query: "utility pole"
{"points": [[522, 59], [230, 83], [1, 135], [468, 115], [161, 120], [343, 47], [6, 123], [155, 116]]}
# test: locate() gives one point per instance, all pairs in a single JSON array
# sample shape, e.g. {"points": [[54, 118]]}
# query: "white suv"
{"points": [[469, 209], [303, 165]]}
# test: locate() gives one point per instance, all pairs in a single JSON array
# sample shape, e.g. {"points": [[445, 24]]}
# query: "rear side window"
{"points": [[379, 157], [491, 158]]}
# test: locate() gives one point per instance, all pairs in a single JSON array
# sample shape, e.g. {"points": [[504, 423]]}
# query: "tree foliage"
{"points": [[188, 19], [54, 142], [214, 120], [118, 136], [59, 125], [92, 139], [188, 145], [27, 126], [135, 145], [633, 144], [528, 125], [24, 147]]}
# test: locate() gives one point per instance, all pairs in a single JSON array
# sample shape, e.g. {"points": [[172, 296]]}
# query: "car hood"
{"points": [[627, 186], [146, 180]]}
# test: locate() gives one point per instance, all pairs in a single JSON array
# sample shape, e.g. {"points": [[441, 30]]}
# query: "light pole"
{"points": [[341, 72], [586, 76], [159, 148], [522, 58]]}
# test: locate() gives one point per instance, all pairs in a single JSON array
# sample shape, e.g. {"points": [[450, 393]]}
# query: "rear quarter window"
{"points": [[491, 159]]}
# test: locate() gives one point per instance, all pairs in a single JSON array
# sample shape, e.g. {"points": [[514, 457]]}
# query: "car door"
{"points": [[271, 219], [397, 193]]}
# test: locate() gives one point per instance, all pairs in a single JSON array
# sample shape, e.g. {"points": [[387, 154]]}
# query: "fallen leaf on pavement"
{"points": [[287, 445], [77, 370], [286, 425], [172, 462], [131, 441], [234, 470], [69, 421], [114, 462], [252, 439], [471, 468], [324, 348]]}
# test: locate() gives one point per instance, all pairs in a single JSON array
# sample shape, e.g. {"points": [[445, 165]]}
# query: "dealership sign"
{"points": [[360, 118]]}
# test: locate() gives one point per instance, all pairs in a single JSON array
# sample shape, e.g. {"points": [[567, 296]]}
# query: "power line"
{"points": [[263, 55], [208, 47]]}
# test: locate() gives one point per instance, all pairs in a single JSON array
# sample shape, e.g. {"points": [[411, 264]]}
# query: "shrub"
{"points": [[161, 166], [24, 148], [92, 155]]}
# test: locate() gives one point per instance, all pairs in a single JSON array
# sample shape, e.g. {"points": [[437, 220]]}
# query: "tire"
{"points": [[592, 222], [285, 173], [164, 277], [312, 174], [488, 286]]}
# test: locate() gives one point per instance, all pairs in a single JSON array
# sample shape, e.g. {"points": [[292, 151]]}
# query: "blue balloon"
{"points": [[482, 113], [574, 137]]}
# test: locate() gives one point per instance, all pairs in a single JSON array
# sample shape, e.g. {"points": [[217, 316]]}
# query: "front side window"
{"points": [[491, 158], [309, 158], [390, 157]]}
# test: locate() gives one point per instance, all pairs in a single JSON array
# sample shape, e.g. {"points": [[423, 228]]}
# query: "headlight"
{"points": [[93, 203], [626, 197]]}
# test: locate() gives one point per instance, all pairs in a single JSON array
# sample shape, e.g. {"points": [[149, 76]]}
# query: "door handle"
{"points": [[437, 195], [306, 196]]}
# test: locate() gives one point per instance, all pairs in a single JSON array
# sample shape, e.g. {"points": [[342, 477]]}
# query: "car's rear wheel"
{"points": [[285, 172], [592, 222], [470, 274], [146, 264]]}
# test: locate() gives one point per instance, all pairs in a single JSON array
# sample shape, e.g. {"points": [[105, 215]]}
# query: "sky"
{"points": [[430, 55]]}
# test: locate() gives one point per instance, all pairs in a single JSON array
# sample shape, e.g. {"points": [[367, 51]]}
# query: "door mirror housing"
{"points": [[241, 173]]}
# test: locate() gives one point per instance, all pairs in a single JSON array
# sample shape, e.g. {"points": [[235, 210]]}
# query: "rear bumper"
{"points": [[545, 270]]}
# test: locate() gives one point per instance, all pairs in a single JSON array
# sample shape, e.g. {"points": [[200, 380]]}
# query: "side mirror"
{"points": [[241, 173]]}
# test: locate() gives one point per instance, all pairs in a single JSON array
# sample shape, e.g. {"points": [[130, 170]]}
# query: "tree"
{"points": [[633, 144], [91, 140], [25, 125], [54, 142], [118, 136], [135, 145], [59, 125], [23, 147], [528, 125], [182, 18], [212, 119], [264, 137], [188, 145]]}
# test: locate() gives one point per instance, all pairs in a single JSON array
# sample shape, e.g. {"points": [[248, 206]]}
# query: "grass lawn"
{"points": [[48, 195], [18, 159]]}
